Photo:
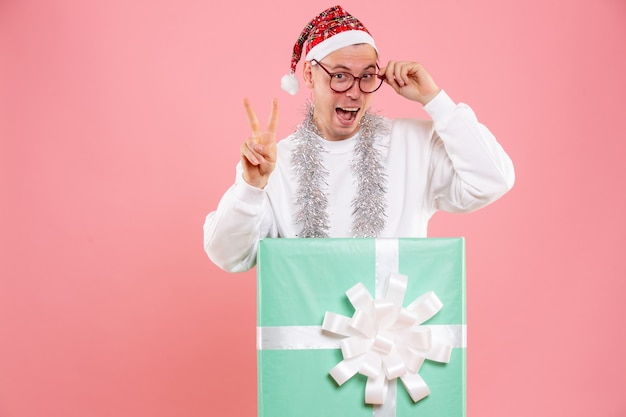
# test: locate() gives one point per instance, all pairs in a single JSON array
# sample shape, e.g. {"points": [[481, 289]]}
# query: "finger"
{"points": [[273, 122], [400, 75], [252, 119], [387, 70], [413, 73], [391, 74], [248, 154]]}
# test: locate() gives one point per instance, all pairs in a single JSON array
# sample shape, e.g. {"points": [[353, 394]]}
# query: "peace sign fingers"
{"points": [[253, 121], [258, 152], [273, 121]]}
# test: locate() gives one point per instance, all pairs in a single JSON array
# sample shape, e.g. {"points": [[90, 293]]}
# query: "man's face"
{"points": [[337, 115]]}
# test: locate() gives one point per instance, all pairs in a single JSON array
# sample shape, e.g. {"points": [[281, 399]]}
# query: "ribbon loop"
{"points": [[337, 324], [355, 346], [385, 341], [376, 390], [382, 344], [440, 353], [359, 297], [371, 365], [415, 386], [396, 288], [394, 365], [346, 369], [413, 360], [425, 306], [364, 322], [419, 338]]}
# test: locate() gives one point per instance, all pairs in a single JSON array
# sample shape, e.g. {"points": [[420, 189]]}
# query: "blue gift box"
{"points": [[301, 280]]}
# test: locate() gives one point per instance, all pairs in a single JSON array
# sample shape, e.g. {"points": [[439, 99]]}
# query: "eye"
{"points": [[368, 76], [340, 76]]}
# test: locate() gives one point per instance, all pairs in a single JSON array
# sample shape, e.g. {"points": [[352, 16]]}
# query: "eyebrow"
{"points": [[343, 67]]}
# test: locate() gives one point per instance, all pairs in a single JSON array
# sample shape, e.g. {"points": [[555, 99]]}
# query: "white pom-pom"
{"points": [[290, 84]]}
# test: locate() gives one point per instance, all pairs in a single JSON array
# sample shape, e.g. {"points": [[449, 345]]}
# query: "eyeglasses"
{"points": [[340, 82]]}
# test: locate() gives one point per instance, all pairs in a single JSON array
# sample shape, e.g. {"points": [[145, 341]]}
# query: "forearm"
{"points": [[481, 169], [233, 230]]}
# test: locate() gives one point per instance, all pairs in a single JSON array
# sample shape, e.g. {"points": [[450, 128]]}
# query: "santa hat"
{"points": [[331, 30]]}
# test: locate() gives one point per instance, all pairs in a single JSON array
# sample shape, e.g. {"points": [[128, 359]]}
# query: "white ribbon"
{"points": [[312, 337]]}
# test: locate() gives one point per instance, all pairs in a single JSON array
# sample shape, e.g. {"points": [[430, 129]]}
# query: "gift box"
{"points": [[361, 327]]}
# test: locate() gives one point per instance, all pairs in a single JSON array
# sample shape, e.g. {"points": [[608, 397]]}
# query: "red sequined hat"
{"points": [[329, 31]]}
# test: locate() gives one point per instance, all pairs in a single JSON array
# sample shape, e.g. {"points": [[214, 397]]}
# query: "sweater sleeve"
{"points": [[232, 232], [469, 169]]}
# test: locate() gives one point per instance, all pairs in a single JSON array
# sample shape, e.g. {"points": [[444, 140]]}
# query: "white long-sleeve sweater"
{"points": [[451, 163]]}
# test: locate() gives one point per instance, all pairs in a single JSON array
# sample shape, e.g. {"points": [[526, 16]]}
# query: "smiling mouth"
{"points": [[347, 114]]}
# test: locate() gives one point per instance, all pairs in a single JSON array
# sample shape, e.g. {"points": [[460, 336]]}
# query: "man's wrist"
{"points": [[428, 98], [440, 106]]}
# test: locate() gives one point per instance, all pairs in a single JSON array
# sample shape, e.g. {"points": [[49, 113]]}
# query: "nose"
{"points": [[354, 92]]}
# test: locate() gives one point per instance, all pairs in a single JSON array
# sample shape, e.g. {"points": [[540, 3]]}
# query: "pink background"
{"points": [[120, 123]]}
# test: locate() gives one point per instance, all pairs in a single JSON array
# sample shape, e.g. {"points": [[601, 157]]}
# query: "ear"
{"points": [[307, 74]]}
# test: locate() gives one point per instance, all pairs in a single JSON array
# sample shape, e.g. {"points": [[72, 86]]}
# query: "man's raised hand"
{"points": [[258, 152], [410, 80]]}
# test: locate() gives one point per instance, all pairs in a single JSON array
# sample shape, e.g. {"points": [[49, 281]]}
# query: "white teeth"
{"points": [[349, 109]]}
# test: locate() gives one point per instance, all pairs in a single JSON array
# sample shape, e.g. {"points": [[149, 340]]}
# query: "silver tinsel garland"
{"points": [[368, 206]]}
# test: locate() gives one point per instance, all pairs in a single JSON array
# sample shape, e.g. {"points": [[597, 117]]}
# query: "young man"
{"points": [[346, 172]]}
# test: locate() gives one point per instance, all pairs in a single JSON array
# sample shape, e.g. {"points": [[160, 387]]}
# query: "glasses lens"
{"points": [[341, 82], [370, 83]]}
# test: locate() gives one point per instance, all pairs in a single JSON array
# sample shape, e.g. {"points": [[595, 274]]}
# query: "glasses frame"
{"points": [[381, 77]]}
